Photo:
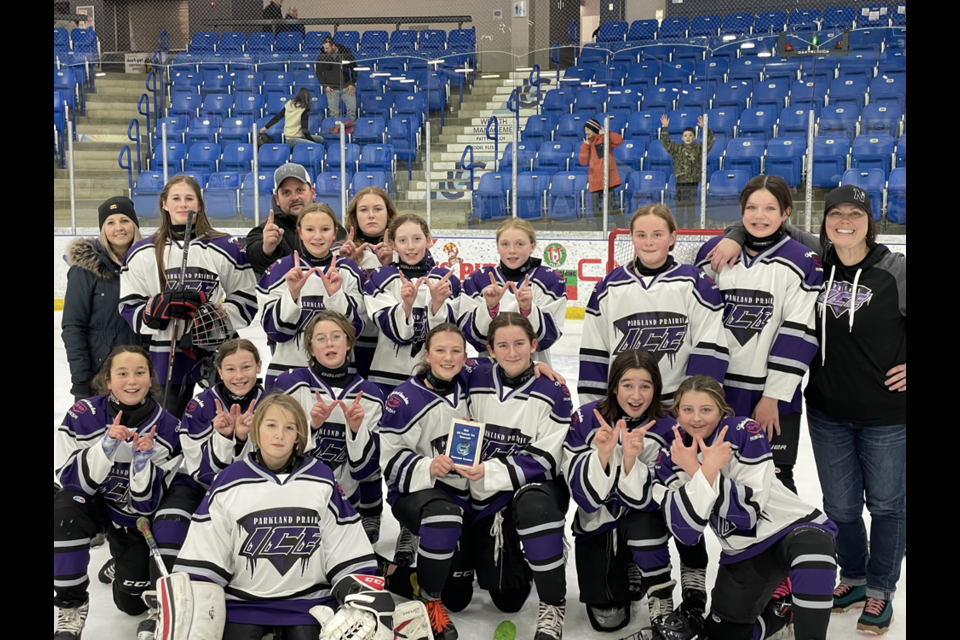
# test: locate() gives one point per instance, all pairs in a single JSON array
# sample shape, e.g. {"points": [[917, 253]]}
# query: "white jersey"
{"points": [[276, 543], [400, 340], [676, 315]]}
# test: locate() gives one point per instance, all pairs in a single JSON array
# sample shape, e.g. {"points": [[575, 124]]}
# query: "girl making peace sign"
{"points": [[344, 413]]}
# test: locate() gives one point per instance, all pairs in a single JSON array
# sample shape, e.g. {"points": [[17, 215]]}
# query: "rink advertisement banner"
{"points": [[581, 260]]}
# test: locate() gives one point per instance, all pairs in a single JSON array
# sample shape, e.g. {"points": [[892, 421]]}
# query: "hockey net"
{"points": [[620, 248]]}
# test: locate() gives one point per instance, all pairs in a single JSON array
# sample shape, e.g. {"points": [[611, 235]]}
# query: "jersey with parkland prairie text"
{"points": [[207, 452], [401, 340], [277, 544], [604, 496], [85, 463], [770, 322], [416, 425], [216, 266], [354, 457], [284, 318], [523, 440], [676, 315], [547, 314], [746, 506]]}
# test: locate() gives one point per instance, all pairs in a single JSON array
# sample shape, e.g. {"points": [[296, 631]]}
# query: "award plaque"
{"points": [[464, 443]]}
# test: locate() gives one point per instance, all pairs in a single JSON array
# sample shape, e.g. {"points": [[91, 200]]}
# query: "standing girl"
{"points": [[520, 283], [769, 318], [344, 412], [407, 299], [91, 325], [719, 471], [114, 456], [653, 304], [156, 299], [608, 464], [857, 405], [368, 216], [296, 287], [517, 497]]}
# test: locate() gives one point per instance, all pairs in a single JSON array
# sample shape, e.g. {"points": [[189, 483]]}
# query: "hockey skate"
{"points": [[660, 601], [147, 629], [440, 622], [407, 544], [371, 526], [70, 622], [677, 625], [694, 588], [550, 622], [108, 572]]}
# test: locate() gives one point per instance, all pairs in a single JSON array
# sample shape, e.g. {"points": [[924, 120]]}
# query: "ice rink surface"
{"points": [[481, 618]]}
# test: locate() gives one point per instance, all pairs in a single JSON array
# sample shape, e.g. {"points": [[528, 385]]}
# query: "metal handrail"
{"points": [[468, 167], [135, 124], [128, 166], [143, 108], [495, 122], [535, 82]]}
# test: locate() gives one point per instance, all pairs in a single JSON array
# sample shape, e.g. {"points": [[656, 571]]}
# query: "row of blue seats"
{"points": [[305, 61], [81, 41], [843, 17], [227, 195], [403, 41], [563, 197], [287, 82]]}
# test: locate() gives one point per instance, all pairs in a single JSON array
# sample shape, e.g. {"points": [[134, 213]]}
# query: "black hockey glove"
{"points": [[172, 305]]}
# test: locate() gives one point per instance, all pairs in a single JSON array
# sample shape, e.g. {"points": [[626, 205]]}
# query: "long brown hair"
{"points": [[609, 407], [350, 220], [775, 185], [443, 327], [164, 234], [101, 381]]}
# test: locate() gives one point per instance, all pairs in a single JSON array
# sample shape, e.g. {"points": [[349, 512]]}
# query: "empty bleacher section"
{"points": [[726, 67]]}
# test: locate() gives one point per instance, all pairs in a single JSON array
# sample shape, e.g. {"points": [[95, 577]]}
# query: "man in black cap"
{"points": [[276, 237], [335, 73]]}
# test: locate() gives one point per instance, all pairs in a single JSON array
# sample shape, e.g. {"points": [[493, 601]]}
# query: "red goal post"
{"points": [[620, 247]]}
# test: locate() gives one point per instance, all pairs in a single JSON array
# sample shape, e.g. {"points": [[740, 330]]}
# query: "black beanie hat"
{"points": [[848, 194], [118, 204], [593, 125]]}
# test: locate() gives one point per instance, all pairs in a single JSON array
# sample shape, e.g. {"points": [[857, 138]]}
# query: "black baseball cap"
{"points": [[848, 194], [118, 204]]}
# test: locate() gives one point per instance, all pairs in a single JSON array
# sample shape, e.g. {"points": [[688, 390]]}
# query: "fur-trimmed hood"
{"points": [[89, 255]]}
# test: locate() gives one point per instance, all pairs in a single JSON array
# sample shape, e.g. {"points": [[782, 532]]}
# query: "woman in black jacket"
{"points": [[92, 324]]}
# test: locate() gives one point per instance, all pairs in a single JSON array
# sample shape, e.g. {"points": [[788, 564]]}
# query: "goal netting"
{"points": [[620, 249]]}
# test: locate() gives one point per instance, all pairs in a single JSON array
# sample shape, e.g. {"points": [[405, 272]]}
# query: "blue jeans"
{"points": [[333, 103], [864, 465]]}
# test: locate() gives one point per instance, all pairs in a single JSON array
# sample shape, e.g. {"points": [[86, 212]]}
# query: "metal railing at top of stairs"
{"points": [[135, 125], [555, 57], [468, 167], [143, 108], [535, 83], [573, 34], [151, 84], [494, 121], [513, 104], [129, 166]]}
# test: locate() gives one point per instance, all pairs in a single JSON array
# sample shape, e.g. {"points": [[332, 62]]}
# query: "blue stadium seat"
{"points": [[658, 159], [645, 187], [680, 119], [411, 103], [660, 96], [630, 154], [242, 62], [185, 82], [612, 31], [723, 194], [645, 72], [871, 39], [203, 41], [288, 41], [328, 191], [644, 126], [902, 151], [277, 82], [803, 19], [770, 94], [893, 62], [369, 130], [61, 40], [558, 102], [848, 92], [212, 63], [733, 95], [377, 105], [785, 159], [526, 154], [176, 127], [873, 152], [570, 128], [248, 103], [248, 81], [306, 80], [590, 101], [490, 198], [897, 196], [221, 194], [829, 161], [175, 152], [891, 89], [532, 187], [714, 69], [146, 194], [264, 182], [737, 23], [336, 156], [625, 99], [231, 42], [403, 42], [539, 129], [770, 22], [642, 31], [837, 18], [722, 121], [758, 123], [839, 121], [271, 156], [673, 28], [184, 105], [236, 130], [873, 181], [858, 64], [617, 120], [680, 71], [566, 198], [744, 154], [697, 95], [349, 39], [217, 104], [794, 122], [705, 25], [575, 76], [374, 42], [309, 156], [402, 133], [202, 129], [748, 69], [275, 103], [216, 82], [555, 156], [808, 92], [593, 54], [302, 61], [260, 41], [185, 61], [789, 69], [237, 158], [378, 158]]}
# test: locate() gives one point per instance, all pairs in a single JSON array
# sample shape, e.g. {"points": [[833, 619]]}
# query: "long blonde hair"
{"points": [[108, 247], [164, 234], [291, 406]]}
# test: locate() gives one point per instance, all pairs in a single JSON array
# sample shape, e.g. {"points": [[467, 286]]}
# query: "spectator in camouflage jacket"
{"points": [[687, 168]]}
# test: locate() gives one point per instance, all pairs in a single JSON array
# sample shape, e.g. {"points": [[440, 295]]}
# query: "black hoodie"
{"points": [[289, 241], [861, 342]]}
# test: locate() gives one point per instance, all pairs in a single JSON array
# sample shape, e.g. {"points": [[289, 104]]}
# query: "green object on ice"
{"points": [[506, 631]]}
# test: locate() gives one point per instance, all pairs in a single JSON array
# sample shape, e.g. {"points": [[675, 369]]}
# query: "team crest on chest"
{"points": [[840, 298], [284, 537], [660, 332], [746, 312]]}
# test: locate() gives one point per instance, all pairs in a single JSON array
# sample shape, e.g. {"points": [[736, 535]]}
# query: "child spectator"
{"points": [[687, 168], [591, 154]]}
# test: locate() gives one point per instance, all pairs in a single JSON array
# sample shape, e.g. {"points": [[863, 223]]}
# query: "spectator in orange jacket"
{"points": [[591, 154]]}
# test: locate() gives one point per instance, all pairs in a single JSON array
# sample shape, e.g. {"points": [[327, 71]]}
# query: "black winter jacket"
{"points": [[289, 241], [331, 72], [92, 324]]}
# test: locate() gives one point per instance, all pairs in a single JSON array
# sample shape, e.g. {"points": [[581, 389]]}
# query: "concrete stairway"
{"points": [[101, 134]]}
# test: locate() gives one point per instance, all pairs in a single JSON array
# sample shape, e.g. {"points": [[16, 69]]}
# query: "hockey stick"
{"points": [[188, 232], [143, 526]]}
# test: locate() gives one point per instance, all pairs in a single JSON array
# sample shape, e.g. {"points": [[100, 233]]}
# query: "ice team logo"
{"points": [[841, 298], [331, 447], [283, 537], [501, 442], [659, 332], [746, 312]]}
